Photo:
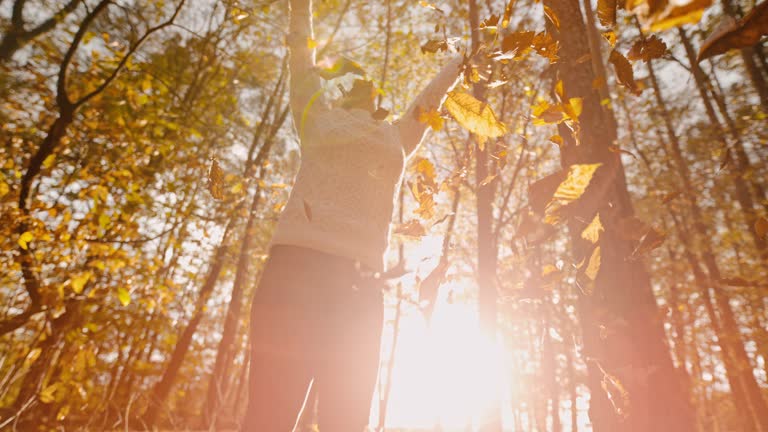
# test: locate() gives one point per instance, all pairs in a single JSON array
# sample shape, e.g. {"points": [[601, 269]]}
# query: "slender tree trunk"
{"points": [[486, 251], [163, 387], [742, 166]]}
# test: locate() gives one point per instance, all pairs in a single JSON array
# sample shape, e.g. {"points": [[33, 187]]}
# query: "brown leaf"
{"points": [[613, 148], [550, 14], [546, 46], [491, 21], [412, 228], [434, 45], [624, 73], [430, 286], [726, 160], [307, 210], [668, 197], [648, 242], [517, 44], [487, 180], [606, 12], [647, 49], [216, 180], [736, 34]]}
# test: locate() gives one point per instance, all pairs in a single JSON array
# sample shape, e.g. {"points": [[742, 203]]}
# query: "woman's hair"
{"points": [[361, 96]]}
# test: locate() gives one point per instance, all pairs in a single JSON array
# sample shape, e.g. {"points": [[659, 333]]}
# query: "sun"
{"points": [[446, 371]]}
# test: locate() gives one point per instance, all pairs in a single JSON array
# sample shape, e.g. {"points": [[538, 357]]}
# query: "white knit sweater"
{"points": [[351, 165]]}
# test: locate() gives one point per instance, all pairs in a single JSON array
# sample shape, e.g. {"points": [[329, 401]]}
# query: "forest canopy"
{"points": [[581, 241]]}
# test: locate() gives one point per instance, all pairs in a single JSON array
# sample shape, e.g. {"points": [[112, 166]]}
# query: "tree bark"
{"points": [[622, 299]]}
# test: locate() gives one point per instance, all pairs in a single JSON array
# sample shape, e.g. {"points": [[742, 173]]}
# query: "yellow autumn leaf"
{"points": [[592, 232], [104, 220], [575, 106], [78, 282], [24, 239], [432, 119], [571, 189], [4, 188], [48, 394], [48, 162], [594, 264], [124, 296], [474, 115]]}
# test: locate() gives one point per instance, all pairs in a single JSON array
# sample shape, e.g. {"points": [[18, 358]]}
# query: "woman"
{"points": [[317, 314]]}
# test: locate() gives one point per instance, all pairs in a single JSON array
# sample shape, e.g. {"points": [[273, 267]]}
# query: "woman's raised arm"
{"points": [[411, 129], [305, 82]]}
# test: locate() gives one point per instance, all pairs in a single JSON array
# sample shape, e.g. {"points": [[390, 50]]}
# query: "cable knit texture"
{"points": [[351, 165]]}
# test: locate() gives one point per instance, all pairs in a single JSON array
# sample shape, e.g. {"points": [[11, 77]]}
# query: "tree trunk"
{"points": [[635, 353], [163, 387], [486, 251]]}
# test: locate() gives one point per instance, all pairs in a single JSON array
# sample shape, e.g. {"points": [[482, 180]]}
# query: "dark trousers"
{"points": [[315, 320]]}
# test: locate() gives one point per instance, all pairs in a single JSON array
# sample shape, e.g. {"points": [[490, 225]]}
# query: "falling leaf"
{"points": [[592, 232], [689, 13], [24, 239], [216, 180], [761, 226], [307, 210], [624, 73], [431, 118], [124, 296], [668, 197], [732, 34], [474, 115], [48, 394], [647, 49], [434, 45], [594, 264], [613, 148], [412, 228], [557, 139], [492, 21], [550, 14], [487, 180], [726, 160], [544, 113], [48, 162], [517, 44], [651, 240], [341, 67], [610, 36], [572, 188], [546, 46], [606, 12], [78, 282], [430, 286], [442, 219]]}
